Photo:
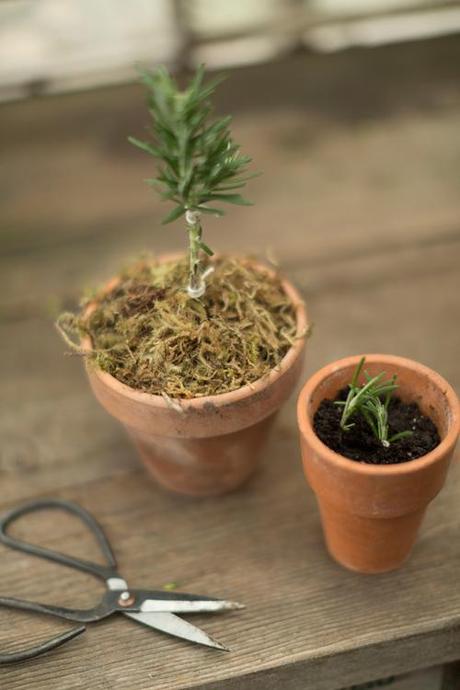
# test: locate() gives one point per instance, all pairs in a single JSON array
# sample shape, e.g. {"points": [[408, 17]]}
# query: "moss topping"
{"points": [[149, 334]]}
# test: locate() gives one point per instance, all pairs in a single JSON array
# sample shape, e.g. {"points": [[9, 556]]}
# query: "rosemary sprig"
{"points": [[199, 163], [366, 399]]}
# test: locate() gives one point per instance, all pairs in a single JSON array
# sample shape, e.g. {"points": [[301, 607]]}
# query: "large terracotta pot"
{"points": [[371, 513], [209, 445]]}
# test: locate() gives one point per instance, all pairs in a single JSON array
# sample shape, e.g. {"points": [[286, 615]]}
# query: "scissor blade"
{"points": [[173, 625], [188, 606]]}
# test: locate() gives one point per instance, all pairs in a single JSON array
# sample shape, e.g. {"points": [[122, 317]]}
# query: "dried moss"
{"points": [[149, 334]]}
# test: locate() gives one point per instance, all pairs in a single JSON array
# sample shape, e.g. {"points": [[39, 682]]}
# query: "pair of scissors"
{"points": [[154, 608]]}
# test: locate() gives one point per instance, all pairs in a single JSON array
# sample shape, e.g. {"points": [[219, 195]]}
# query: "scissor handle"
{"points": [[37, 650], [103, 572], [107, 605]]}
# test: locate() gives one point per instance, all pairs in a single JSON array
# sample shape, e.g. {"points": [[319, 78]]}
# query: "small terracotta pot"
{"points": [[208, 445], [371, 513]]}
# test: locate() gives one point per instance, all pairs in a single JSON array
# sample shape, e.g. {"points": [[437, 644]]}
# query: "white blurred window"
{"points": [[54, 45], [70, 44]]}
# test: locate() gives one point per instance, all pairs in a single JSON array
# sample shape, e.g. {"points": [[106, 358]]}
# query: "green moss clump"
{"points": [[149, 334]]}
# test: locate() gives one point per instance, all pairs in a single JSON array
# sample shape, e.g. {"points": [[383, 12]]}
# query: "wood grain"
{"points": [[360, 201]]}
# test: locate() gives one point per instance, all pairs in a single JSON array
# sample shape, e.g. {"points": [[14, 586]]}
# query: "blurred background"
{"points": [[350, 108]]}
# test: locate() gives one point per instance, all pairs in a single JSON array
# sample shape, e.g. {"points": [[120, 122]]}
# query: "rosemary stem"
{"points": [[195, 287]]}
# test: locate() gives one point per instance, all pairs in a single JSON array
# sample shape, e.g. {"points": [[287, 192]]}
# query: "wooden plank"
{"points": [[334, 185], [307, 620]]}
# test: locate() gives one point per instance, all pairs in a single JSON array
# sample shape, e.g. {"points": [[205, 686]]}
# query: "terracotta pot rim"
{"points": [[221, 399], [404, 468]]}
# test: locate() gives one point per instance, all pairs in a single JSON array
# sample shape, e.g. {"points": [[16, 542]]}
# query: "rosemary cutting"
{"points": [[371, 400], [199, 164]]}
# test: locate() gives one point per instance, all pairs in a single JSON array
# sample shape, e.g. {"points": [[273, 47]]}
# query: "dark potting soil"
{"points": [[360, 444]]}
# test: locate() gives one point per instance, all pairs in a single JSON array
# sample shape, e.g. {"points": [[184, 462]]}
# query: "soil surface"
{"points": [[360, 444], [149, 334]]}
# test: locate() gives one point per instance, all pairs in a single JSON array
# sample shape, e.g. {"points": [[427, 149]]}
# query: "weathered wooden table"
{"points": [[360, 202]]}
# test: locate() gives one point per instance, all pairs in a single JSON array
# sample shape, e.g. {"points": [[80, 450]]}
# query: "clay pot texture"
{"points": [[208, 445], [371, 513]]}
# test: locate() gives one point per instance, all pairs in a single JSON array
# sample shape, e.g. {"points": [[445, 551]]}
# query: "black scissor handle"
{"points": [[107, 605], [37, 650], [102, 571]]}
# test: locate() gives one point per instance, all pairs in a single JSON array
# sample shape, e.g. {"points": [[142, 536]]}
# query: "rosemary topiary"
{"points": [[199, 164], [145, 330]]}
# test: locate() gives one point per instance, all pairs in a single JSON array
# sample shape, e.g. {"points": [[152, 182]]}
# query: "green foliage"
{"points": [[366, 399], [199, 163]]}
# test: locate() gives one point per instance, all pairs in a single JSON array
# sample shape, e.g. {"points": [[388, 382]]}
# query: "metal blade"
{"points": [[173, 625], [188, 606]]}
